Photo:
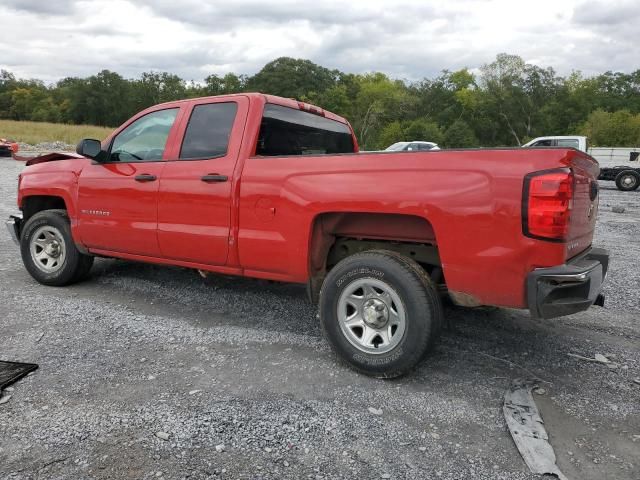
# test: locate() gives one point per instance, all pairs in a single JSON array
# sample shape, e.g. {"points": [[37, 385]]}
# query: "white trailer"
{"points": [[617, 164]]}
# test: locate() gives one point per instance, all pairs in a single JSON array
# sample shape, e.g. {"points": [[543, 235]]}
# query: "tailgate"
{"points": [[585, 202]]}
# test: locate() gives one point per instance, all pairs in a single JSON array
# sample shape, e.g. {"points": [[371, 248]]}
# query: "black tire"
{"points": [[74, 267], [419, 301], [430, 286], [628, 180]]}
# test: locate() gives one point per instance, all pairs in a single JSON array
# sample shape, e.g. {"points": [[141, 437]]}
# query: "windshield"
{"points": [[397, 146]]}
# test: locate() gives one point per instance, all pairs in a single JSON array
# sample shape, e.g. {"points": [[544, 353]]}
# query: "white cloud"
{"points": [[407, 39]]}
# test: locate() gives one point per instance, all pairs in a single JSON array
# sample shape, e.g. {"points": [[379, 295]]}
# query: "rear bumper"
{"points": [[569, 288], [13, 225]]}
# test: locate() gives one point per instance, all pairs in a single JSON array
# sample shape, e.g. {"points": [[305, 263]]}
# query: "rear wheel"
{"points": [[380, 312], [628, 180], [48, 251]]}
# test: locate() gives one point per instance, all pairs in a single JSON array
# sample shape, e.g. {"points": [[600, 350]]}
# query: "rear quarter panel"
{"points": [[472, 198]]}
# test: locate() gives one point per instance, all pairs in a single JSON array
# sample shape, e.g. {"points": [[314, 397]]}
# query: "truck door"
{"points": [[118, 199], [196, 187]]}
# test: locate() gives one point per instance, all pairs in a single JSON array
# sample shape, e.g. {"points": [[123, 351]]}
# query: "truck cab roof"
{"points": [[266, 98]]}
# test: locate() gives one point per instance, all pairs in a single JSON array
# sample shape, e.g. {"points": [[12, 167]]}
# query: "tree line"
{"points": [[506, 102]]}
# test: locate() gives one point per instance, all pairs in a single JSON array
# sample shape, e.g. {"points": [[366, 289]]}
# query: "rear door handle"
{"points": [[213, 178], [145, 177]]}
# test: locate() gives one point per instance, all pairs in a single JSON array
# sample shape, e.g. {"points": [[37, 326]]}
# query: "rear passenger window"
{"points": [[208, 131], [287, 131]]}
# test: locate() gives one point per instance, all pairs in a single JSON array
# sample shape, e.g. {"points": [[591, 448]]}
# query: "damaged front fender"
{"points": [[48, 157]]}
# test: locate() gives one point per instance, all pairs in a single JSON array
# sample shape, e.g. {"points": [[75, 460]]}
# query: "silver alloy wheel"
{"points": [[47, 248], [629, 180], [371, 315]]}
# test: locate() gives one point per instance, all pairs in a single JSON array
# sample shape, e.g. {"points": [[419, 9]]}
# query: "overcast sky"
{"points": [[51, 39]]}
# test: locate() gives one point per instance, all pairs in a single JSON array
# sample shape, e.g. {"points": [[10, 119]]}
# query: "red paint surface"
{"points": [[259, 222]]}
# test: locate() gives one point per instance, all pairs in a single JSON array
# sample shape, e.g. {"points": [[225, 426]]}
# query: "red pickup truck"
{"points": [[267, 187]]}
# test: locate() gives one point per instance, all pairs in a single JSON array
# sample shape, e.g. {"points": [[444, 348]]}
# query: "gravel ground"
{"points": [[46, 147], [150, 372]]}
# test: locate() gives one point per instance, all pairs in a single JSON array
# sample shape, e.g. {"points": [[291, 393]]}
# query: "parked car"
{"points": [[268, 187], [7, 147], [414, 146], [617, 164]]}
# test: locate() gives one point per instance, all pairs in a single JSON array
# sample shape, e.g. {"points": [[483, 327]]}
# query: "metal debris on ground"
{"points": [[13, 371], [527, 429], [597, 358]]}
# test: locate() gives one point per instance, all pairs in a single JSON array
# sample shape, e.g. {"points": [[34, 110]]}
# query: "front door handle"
{"points": [[145, 177], [213, 178]]}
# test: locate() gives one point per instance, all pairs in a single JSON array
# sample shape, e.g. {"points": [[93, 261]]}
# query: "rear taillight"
{"points": [[546, 204]]}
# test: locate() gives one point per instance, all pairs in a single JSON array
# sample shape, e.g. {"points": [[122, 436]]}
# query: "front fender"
{"points": [[61, 184]]}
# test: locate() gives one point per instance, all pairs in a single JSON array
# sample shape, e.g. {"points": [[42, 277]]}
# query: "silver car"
{"points": [[412, 146]]}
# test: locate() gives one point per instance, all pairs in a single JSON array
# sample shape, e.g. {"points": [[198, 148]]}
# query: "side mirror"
{"points": [[90, 148]]}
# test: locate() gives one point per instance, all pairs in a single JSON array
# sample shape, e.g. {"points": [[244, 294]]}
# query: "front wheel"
{"points": [[380, 312], [48, 251], [628, 180]]}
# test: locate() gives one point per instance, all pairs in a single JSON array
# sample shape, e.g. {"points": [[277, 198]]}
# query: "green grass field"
{"points": [[37, 132]]}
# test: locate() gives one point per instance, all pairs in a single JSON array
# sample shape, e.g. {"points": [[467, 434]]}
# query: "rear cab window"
{"points": [[288, 131], [567, 142]]}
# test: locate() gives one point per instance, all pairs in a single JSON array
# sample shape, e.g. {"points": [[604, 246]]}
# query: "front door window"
{"points": [[145, 139]]}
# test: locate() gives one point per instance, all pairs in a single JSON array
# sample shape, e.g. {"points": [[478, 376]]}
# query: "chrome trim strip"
{"points": [[570, 277]]}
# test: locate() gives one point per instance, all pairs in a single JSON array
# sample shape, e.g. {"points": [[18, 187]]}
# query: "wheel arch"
{"points": [[32, 204], [335, 235]]}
